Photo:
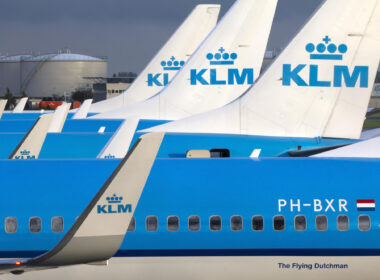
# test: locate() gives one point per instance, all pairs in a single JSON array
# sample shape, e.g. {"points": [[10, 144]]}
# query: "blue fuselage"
{"points": [[204, 188]]}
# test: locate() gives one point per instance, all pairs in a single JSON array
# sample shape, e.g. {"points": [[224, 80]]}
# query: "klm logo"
{"points": [[114, 205], [162, 79], [25, 154], [210, 76], [342, 75]]}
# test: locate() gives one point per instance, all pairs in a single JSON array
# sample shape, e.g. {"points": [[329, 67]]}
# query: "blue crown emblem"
{"points": [[222, 57], [114, 199], [172, 64], [25, 153], [331, 49]]}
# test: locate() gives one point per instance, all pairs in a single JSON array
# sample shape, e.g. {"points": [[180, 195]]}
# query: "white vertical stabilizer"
{"points": [[118, 145], [179, 48], [59, 118], [320, 85], [224, 66], [82, 112], [20, 105]]}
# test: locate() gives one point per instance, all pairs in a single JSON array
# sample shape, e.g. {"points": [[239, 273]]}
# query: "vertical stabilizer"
{"points": [[172, 56], [20, 105], [83, 110], [224, 66], [320, 85], [59, 118]]}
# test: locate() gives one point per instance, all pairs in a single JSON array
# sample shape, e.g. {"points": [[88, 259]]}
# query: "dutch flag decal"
{"points": [[365, 204]]}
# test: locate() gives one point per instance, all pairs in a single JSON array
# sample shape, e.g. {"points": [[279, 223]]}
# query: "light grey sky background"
{"points": [[128, 32]]}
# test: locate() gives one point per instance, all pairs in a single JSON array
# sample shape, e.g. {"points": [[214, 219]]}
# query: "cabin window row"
{"points": [[257, 223], [35, 224]]}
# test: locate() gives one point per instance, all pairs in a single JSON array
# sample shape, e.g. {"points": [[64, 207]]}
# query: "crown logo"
{"points": [[25, 153], [331, 49], [222, 57], [109, 156], [114, 199], [172, 64]]}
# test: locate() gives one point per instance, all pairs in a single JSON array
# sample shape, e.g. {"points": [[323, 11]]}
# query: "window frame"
{"points": [[209, 223], [283, 217], [146, 223], [327, 222], [51, 224], [262, 218], [167, 223], [369, 219], [241, 224], [295, 218], [337, 222], [199, 223], [5, 224], [35, 217]]}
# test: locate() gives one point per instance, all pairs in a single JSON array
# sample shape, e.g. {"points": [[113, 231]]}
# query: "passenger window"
{"points": [[194, 223], [321, 223], [257, 223], [342, 222], [151, 223], [364, 222], [215, 223], [10, 225], [219, 153], [35, 224], [279, 222], [132, 225], [236, 223], [57, 224], [300, 223], [173, 223]]}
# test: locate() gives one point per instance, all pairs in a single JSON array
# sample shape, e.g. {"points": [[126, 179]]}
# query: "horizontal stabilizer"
{"points": [[82, 112], [20, 105], [98, 233]]}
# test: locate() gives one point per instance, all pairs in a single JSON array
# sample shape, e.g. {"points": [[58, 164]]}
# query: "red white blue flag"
{"points": [[365, 204]]}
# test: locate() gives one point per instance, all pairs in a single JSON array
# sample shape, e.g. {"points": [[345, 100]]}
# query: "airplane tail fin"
{"points": [[83, 110], [97, 235], [59, 118], [20, 105], [320, 84], [176, 51], [119, 143], [30, 146]]}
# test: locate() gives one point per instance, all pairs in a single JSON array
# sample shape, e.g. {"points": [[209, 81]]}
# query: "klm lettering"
{"points": [[343, 77], [160, 79], [114, 208], [209, 77]]}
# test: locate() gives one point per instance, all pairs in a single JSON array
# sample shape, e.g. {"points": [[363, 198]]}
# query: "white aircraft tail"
{"points": [[59, 118], [82, 112], [30, 146], [320, 85], [98, 232], [224, 66], [172, 56], [118, 145], [3, 103], [20, 105]]}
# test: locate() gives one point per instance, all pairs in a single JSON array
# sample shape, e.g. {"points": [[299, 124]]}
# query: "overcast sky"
{"points": [[128, 32]]}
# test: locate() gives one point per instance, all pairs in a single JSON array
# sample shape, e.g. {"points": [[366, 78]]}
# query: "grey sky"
{"points": [[128, 32]]}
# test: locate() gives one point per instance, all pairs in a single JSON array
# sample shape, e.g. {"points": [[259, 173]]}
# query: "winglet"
{"points": [[20, 105], [83, 110], [118, 145], [3, 103], [59, 117], [97, 235], [30, 146]]}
